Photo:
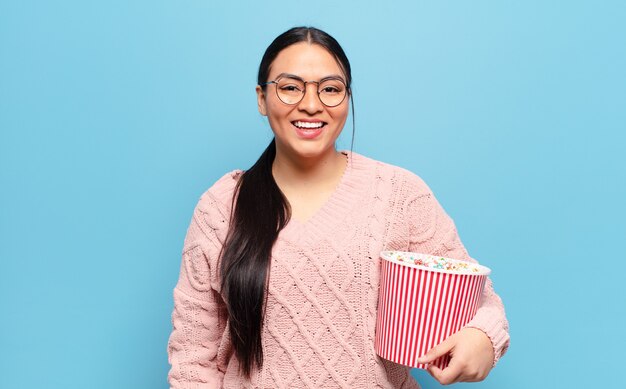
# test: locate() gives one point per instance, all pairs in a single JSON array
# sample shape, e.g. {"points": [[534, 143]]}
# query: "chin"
{"points": [[311, 150]]}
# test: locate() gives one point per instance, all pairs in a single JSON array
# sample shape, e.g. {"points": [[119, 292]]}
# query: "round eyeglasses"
{"points": [[291, 90]]}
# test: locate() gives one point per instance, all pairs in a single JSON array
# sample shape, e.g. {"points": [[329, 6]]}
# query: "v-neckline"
{"points": [[328, 198], [329, 214]]}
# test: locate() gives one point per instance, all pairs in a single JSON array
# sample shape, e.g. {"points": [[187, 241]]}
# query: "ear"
{"points": [[260, 98]]}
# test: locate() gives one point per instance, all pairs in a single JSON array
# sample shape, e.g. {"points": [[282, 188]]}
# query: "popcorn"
{"points": [[436, 263]]}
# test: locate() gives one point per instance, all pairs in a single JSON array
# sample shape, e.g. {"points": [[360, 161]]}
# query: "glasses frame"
{"points": [[345, 93]]}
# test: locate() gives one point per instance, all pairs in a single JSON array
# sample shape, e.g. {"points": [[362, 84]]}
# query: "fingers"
{"points": [[440, 350], [447, 376], [472, 357]]}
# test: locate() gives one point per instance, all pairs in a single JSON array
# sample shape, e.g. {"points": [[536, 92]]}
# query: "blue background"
{"points": [[115, 116]]}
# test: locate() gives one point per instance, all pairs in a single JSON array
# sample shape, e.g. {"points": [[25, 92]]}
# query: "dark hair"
{"points": [[260, 212]]}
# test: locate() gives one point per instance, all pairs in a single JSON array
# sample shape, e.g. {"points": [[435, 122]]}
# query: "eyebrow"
{"points": [[330, 77]]}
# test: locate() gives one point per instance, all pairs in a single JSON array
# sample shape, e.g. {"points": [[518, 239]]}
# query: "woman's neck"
{"points": [[308, 185], [317, 172]]}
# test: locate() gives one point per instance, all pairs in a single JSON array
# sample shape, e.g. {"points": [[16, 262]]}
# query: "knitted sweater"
{"points": [[323, 287]]}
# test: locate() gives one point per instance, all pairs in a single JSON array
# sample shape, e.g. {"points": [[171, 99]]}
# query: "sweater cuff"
{"points": [[495, 331]]}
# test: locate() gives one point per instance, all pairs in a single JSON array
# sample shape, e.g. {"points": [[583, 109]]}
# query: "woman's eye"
{"points": [[330, 90], [290, 88]]}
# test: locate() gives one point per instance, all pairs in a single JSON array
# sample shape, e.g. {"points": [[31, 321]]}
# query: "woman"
{"points": [[279, 277]]}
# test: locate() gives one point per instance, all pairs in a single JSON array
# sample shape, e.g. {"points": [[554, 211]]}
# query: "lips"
{"points": [[308, 129], [308, 124]]}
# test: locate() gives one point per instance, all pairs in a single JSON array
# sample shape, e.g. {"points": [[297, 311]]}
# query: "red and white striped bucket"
{"points": [[422, 300]]}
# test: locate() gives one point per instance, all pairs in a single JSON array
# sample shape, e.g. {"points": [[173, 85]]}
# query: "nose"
{"points": [[310, 103]]}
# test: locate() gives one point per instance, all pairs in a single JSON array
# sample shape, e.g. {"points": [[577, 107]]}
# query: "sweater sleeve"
{"points": [[199, 314], [433, 232]]}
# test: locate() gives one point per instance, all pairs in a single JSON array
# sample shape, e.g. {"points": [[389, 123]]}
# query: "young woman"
{"points": [[279, 278]]}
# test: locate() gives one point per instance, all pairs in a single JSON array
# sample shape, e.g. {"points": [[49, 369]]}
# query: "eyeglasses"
{"points": [[291, 90]]}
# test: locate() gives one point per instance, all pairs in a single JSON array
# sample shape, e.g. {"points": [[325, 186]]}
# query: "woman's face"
{"points": [[292, 124]]}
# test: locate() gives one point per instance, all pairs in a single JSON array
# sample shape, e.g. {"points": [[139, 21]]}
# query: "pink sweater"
{"points": [[321, 307]]}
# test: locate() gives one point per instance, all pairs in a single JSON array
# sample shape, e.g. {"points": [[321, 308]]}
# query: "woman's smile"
{"points": [[308, 129]]}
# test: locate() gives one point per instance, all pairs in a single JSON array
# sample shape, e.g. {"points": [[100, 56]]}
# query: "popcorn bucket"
{"points": [[422, 300]]}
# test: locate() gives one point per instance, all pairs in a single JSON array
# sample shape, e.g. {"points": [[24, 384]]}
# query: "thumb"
{"points": [[439, 350]]}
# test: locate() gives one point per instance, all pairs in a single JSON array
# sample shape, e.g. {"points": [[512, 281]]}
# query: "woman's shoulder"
{"points": [[220, 195], [401, 178]]}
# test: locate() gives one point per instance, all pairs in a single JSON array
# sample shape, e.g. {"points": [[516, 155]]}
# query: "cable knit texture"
{"points": [[323, 288]]}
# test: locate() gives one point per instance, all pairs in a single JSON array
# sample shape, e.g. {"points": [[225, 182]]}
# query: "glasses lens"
{"points": [[290, 90], [332, 92]]}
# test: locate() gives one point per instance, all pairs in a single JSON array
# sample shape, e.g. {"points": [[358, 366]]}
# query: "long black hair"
{"points": [[260, 212]]}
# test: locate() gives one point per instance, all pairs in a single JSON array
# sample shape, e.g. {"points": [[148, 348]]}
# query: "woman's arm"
{"points": [[478, 346], [199, 315]]}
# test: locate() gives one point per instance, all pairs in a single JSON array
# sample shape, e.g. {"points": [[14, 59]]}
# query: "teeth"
{"points": [[308, 124]]}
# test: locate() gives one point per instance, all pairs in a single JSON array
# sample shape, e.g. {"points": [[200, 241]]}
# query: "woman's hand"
{"points": [[471, 355]]}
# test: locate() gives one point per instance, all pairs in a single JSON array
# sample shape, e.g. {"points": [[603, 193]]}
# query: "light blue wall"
{"points": [[115, 116]]}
